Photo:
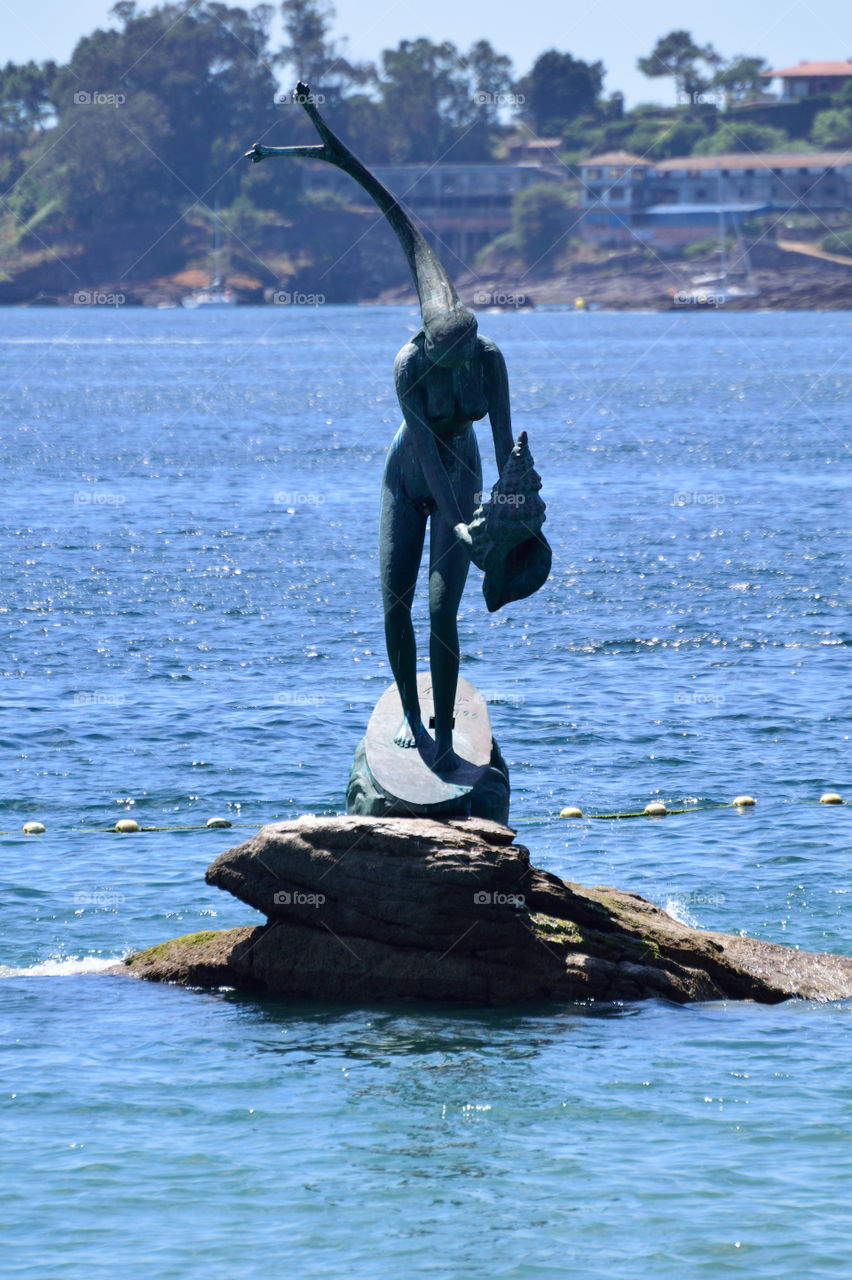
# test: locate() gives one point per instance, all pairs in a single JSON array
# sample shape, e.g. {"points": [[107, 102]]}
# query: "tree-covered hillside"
{"points": [[115, 166]]}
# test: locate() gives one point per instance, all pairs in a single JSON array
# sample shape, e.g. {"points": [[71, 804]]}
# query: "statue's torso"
{"points": [[452, 397]]}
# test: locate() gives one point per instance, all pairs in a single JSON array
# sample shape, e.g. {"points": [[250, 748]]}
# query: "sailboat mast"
{"points": [[722, 246]]}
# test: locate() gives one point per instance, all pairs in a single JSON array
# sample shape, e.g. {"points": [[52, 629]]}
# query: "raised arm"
{"points": [[496, 385], [434, 287]]}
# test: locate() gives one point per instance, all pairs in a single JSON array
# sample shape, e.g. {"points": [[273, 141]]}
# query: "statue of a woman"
{"points": [[447, 377]]}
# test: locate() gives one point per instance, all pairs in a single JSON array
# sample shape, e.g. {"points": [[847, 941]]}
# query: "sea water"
{"points": [[191, 627]]}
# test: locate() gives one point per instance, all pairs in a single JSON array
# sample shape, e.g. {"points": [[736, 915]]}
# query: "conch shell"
{"points": [[506, 537]]}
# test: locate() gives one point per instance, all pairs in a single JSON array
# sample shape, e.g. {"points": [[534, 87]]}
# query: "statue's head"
{"points": [[450, 337]]}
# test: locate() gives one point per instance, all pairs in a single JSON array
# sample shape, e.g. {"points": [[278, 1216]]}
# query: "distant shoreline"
{"points": [[624, 282]]}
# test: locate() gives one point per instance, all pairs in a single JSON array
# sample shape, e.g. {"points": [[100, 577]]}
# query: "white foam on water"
{"points": [[57, 968], [678, 909]]}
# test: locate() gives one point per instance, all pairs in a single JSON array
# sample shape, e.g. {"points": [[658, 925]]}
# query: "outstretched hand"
{"points": [[257, 153], [463, 535]]}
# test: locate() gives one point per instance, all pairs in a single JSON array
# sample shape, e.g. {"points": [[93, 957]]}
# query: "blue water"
{"points": [[190, 626]]}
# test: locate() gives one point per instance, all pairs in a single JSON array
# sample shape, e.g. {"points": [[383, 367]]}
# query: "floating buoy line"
{"points": [[658, 808], [127, 826], [654, 809]]}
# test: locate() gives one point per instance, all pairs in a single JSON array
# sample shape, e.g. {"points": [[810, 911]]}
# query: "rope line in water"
{"points": [[654, 809], [657, 809], [664, 811]]}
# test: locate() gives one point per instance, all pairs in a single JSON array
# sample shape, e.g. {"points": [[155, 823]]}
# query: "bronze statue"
{"points": [[447, 377]]}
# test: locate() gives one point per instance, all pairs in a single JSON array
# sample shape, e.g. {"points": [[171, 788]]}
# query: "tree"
{"points": [[832, 128], [94, 167], [208, 65], [837, 242], [678, 139], [25, 106], [489, 82], [559, 88], [677, 55], [25, 101], [540, 223], [152, 119], [843, 97], [437, 103], [741, 77], [420, 90], [744, 136], [312, 56]]}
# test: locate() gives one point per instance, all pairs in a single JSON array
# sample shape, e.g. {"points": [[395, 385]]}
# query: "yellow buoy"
{"points": [[218, 822], [127, 824], [33, 828], [571, 812], [743, 802], [656, 809], [831, 797]]}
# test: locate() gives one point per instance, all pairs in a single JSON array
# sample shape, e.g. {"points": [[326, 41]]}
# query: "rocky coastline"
{"points": [[363, 909], [626, 280]]}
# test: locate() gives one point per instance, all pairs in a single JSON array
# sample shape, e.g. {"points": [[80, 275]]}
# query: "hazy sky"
{"points": [[615, 31]]}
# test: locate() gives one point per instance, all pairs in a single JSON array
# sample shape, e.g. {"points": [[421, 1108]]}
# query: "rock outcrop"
{"points": [[364, 909]]}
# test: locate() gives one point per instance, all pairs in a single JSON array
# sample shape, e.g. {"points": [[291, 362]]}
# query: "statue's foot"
{"points": [[446, 760], [408, 734]]}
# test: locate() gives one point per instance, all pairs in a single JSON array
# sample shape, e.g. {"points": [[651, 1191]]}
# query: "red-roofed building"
{"points": [[810, 79]]}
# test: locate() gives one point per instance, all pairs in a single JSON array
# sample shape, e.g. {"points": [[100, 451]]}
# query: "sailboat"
{"points": [[216, 294], [714, 290]]}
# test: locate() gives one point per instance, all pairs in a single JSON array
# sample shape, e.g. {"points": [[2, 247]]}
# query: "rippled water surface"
{"points": [[190, 626]]}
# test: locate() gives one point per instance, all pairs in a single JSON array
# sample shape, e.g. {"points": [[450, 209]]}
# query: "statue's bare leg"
{"points": [[448, 566], [402, 531], [449, 562]]}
